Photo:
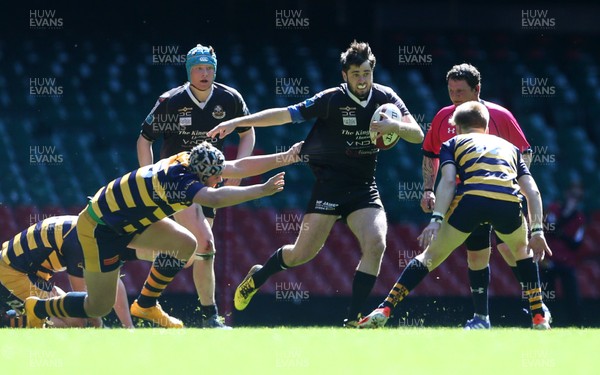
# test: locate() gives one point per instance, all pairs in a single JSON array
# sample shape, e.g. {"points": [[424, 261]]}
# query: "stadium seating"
{"points": [[94, 124]]}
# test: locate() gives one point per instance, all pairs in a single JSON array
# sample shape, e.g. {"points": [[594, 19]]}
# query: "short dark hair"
{"points": [[470, 115], [357, 54], [465, 72]]}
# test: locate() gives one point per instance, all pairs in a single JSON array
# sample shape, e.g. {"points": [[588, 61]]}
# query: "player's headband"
{"points": [[200, 55]]}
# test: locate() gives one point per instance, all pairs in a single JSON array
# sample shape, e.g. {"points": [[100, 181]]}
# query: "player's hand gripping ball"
{"points": [[386, 141]]}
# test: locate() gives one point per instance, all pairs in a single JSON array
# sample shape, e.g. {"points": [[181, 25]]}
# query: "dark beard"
{"points": [[361, 97]]}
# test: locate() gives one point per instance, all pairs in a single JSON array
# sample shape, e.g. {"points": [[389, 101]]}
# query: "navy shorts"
{"points": [[480, 238], [477, 215], [102, 246]]}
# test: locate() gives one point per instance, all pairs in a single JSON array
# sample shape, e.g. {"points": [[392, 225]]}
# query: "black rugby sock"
{"points": [[480, 280], [361, 288], [208, 311], [274, 265]]}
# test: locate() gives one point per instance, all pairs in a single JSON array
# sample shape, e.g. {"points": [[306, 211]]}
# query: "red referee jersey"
{"points": [[502, 123]]}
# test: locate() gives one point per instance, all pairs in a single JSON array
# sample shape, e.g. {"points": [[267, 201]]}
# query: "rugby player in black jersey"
{"points": [[181, 117], [342, 157]]}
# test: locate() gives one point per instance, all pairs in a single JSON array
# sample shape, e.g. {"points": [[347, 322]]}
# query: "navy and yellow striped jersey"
{"points": [[146, 195], [49, 246], [486, 165]]}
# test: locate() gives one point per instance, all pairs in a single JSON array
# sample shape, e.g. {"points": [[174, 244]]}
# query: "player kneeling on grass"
{"points": [[29, 260], [492, 172], [132, 212]]}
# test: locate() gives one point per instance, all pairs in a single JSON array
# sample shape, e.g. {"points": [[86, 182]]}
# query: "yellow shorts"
{"points": [[102, 246], [18, 283]]}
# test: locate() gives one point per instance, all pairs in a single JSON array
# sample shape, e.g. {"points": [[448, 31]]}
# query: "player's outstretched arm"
{"points": [[267, 117], [255, 165], [232, 195]]}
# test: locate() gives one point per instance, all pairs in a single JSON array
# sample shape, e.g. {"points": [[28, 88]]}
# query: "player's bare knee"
{"points": [[205, 251], [184, 247], [294, 256], [477, 260], [374, 248]]}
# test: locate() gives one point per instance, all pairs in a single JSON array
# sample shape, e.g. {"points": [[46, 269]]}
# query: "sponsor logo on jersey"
{"points": [[185, 111], [185, 121], [218, 112], [349, 115]]}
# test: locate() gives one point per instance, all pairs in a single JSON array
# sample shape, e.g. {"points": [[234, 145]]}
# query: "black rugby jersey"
{"points": [[339, 143], [179, 119]]}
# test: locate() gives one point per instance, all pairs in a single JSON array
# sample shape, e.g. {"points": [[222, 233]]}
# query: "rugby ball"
{"points": [[389, 140]]}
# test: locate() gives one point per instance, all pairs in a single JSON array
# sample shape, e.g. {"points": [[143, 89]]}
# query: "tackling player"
{"points": [[491, 172], [29, 260], [132, 212], [464, 84], [343, 159], [181, 117]]}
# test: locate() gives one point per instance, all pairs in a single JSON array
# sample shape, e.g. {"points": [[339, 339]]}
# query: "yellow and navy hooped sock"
{"points": [[530, 285], [163, 271], [412, 275], [69, 305]]}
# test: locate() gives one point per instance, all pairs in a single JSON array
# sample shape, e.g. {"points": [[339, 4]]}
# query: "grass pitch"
{"points": [[299, 351]]}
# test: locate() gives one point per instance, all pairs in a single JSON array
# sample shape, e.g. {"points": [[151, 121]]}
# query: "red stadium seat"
{"points": [[9, 227]]}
